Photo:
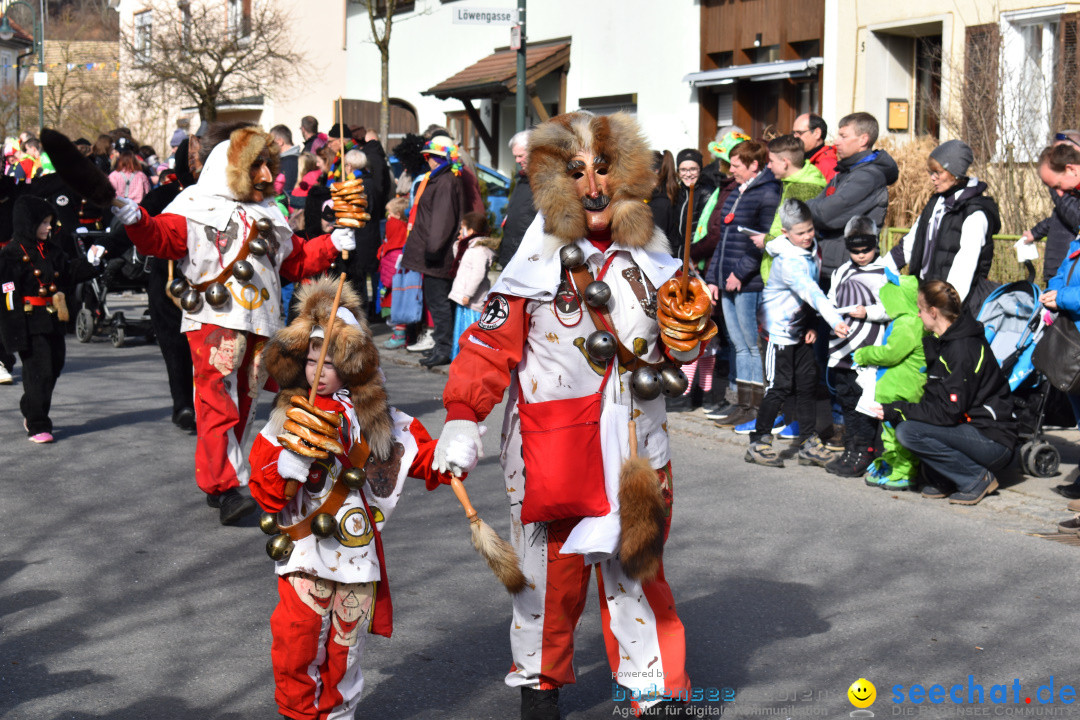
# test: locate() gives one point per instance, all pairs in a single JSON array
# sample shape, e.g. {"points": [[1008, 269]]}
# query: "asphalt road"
{"points": [[122, 597]]}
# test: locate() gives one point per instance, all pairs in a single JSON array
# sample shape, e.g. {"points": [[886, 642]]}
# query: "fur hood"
{"points": [[352, 351], [245, 145], [630, 180], [491, 243]]}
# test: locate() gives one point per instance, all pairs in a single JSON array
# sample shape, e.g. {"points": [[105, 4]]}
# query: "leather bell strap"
{"points": [[357, 457], [602, 319], [227, 272]]}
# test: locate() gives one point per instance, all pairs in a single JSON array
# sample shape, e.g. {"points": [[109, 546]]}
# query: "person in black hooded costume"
{"points": [[31, 269]]}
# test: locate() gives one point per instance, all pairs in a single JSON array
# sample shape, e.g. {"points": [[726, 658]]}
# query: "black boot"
{"points": [[540, 704], [233, 505]]}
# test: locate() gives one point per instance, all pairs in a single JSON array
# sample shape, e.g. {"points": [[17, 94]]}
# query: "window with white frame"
{"points": [[143, 23], [1029, 54], [239, 18], [7, 72]]}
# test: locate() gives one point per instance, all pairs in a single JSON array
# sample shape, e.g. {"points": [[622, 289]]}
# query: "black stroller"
{"points": [[125, 270]]}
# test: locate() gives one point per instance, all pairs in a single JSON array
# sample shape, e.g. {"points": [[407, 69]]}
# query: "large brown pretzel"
{"points": [[684, 320]]}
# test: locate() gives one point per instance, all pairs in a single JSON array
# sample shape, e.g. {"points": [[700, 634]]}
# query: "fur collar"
{"points": [[630, 180]]}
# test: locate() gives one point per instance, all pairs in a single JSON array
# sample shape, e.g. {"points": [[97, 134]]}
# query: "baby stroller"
{"points": [[1012, 317], [125, 273]]}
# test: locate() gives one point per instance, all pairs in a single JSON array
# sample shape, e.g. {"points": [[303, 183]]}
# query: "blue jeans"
{"points": [[740, 318], [960, 453]]}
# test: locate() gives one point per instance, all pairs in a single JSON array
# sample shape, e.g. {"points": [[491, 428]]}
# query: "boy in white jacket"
{"points": [[788, 303]]}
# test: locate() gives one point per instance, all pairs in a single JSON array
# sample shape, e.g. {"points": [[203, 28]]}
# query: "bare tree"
{"points": [[200, 51], [384, 10]]}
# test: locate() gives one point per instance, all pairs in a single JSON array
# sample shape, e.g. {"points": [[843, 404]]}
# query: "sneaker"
{"points": [[234, 506], [858, 460], [41, 438], [720, 411], [987, 484], [540, 704], [748, 427], [395, 342], [5, 376], [762, 453], [1074, 506], [814, 452], [896, 484], [789, 431], [425, 342], [837, 439], [1070, 527], [932, 493], [837, 464]]}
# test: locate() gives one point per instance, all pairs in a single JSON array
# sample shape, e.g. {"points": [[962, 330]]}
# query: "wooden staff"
{"points": [[686, 244], [341, 165]]}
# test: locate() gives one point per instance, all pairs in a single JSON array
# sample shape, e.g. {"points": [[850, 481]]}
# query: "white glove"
{"points": [[128, 212], [343, 239], [459, 447], [94, 254], [293, 466]]}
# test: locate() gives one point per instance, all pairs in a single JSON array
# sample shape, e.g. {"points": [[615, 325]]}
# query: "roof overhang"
{"points": [[495, 76], [755, 72]]}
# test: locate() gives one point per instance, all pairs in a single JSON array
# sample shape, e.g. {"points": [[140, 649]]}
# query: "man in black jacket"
{"points": [[520, 211], [1061, 226]]}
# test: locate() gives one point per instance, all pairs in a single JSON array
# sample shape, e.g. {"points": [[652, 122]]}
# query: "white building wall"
{"points": [[621, 47]]}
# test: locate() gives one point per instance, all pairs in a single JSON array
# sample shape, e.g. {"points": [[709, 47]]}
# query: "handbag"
{"points": [[564, 464], [1057, 354], [408, 294]]}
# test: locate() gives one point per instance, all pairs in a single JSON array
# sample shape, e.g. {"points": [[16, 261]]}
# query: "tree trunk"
{"points": [[208, 109], [384, 104]]}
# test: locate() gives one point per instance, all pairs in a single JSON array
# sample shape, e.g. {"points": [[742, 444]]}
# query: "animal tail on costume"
{"points": [[641, 514]]}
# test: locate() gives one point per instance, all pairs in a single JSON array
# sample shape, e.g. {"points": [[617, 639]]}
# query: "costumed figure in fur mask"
{"points": [[573, 328], [234, 246], [351, 453]]}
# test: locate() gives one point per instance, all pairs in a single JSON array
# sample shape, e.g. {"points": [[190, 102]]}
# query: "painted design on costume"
{"points": [[257, 373], [354, 530], [227, 348], [225, 240], [352, 603], [382, 475], [496, 313], [315, 592], [643, 290], [249, 297]]}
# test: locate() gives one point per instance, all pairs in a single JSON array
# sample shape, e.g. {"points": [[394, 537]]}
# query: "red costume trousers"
{"points": [[227, 382], [318, 629]]}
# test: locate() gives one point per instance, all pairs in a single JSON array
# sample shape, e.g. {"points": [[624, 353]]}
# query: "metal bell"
{"points": [[191, 300], [242, 270], [645, 383], [268, 523], [673, 382], [323, 525], [26, 258], [52, 288], [600, 345], [258, 247], [279, 547], [217, 295], [571, 256], [43, 291], [264, 226], [37, 272], [598, 294], [177, 287], [354, 478]]}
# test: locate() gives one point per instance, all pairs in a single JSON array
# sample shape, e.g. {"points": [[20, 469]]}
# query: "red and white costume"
{"points": [[531, 338], [334, 590], [206, 228]]}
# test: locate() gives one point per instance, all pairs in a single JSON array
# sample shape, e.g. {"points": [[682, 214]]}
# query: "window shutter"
{"points": [[980, 92]]}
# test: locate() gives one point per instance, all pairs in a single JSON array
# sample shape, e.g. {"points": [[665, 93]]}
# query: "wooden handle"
{"points": [[686, 242], [633, 438], [463, 498], [291, 487], [326, 339]]}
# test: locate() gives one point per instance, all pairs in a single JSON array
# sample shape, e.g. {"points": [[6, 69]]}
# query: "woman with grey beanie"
{"points": [[953, 238]]}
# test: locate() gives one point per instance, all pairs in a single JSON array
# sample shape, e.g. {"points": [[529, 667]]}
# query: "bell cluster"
{"points": [[216, 294], [323, 525]]}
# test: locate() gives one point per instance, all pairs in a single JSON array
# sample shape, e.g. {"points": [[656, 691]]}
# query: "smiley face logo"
{"points": [[862, 693]]}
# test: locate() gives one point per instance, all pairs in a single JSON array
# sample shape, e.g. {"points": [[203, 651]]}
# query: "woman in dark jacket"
{"points": [[963, 427], [664, 197], [31, 268], [734, 276], [953, 238], [688, 166]]}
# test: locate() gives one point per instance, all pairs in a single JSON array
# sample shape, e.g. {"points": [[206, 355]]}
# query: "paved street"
{"points": [[122, 597]]}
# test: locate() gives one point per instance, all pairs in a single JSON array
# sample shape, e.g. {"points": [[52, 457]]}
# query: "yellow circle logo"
{"points": [[862, 693]]}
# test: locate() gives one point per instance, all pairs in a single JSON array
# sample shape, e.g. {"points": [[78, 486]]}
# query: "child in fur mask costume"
{"points": [[591, 177], [333, 589], [233, 243]]}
